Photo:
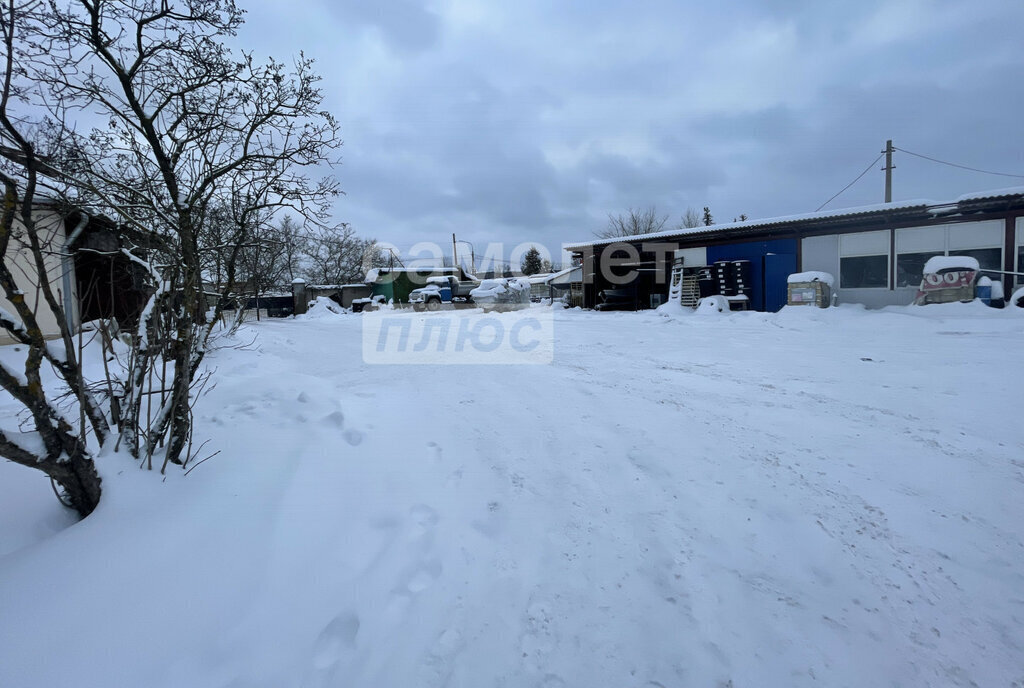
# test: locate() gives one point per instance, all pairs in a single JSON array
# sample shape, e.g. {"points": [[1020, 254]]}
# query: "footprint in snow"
{"points": [[337, 419], [337, 638], [423, 516], [424, 577], [437, 451]]}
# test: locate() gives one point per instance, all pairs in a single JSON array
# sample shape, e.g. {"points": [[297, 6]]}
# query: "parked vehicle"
{"points": [[502, 294], [368, 303], [396, 284], [441, 290]]}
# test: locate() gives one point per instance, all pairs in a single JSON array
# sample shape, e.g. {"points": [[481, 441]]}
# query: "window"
{"points": [[864, 260], [1020, 251], [988, 258], [864, 272], [915, 245], [910, 267]]}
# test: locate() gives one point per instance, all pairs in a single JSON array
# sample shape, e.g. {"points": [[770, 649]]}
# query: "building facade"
{"points": [[876, 253]]}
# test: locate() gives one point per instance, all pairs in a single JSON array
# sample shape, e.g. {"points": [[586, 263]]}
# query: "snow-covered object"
{"points": [[372, 275], [712, 305], [1017, 299], [812, 276], [940, 263], [947, 279], [320, 308], [502, 292], [997, 290]]}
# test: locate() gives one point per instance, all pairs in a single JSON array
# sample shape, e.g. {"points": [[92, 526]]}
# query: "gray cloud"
{"points": [[534, 120], [406, 25]]}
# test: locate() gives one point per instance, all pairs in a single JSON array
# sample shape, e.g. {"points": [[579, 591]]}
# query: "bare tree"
{"points": [[293, 244], [633, 223], [337, 256], [187, 127], [31, 226], [691, 218]]}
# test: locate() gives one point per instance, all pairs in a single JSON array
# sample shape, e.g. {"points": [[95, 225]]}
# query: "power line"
{"points": [[866, 170], [962, 167]]}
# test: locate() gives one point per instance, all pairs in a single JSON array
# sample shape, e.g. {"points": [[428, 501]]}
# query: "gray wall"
{"points": [[822, 253]]}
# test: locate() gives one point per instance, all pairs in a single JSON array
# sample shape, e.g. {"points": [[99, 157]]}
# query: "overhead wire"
{"points": [[866, 170], [953, 164]]}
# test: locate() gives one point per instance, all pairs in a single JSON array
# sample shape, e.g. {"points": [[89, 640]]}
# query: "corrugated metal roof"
{"points": [[919, 205], [997, 193]]}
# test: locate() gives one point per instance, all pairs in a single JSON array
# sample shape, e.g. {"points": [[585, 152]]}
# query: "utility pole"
{"points": [[455, 252], [888, 170]]}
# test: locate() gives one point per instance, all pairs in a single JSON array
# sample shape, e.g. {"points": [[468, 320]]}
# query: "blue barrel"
{"points": [[984, 292]]}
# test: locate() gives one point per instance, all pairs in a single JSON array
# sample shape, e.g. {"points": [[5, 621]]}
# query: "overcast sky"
{"points": [[531, 120]]}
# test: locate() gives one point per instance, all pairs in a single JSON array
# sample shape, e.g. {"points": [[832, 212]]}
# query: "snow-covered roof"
{"points": [[374, 273], [916, 204], [997, 193], [566, 276], [327, 287]]}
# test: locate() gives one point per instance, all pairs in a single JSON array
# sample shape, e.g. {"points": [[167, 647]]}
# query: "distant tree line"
{"points": [[639, 221]]}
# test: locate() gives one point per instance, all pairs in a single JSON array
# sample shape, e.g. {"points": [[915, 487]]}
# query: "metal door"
{"points": [[777, 267]]}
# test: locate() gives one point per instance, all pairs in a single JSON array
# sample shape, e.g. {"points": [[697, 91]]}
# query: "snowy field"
{"points": [[811, 498]]}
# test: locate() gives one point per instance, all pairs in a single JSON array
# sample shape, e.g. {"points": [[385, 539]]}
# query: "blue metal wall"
{"points": [[768, 291]]}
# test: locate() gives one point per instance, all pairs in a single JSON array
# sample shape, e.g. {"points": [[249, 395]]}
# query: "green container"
{"points": [[395, 284]]}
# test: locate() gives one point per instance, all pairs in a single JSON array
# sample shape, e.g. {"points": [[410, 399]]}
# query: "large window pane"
{"points": [[1020, 264], [864, 272], [988, 258], [910, 267]]}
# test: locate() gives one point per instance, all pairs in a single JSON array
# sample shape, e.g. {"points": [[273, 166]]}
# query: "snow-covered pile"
{"points": [[811, 276], [940, 263], [818, 497], [322, 307], [712, 305]]}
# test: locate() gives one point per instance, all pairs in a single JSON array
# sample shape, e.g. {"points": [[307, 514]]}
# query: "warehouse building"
{"points": [[876, 253]]}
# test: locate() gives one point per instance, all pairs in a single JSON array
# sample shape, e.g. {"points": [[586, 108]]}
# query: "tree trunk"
{"points": [[80, 481]]}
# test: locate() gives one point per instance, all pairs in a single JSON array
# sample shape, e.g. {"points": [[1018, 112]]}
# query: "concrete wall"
{"points": [[50, 226]]}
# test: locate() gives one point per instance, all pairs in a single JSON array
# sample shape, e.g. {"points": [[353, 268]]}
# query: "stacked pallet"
{"points": [[690, 292]]}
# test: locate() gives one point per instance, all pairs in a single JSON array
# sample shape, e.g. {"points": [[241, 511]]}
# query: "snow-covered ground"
{"points": [[809, 498]]}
